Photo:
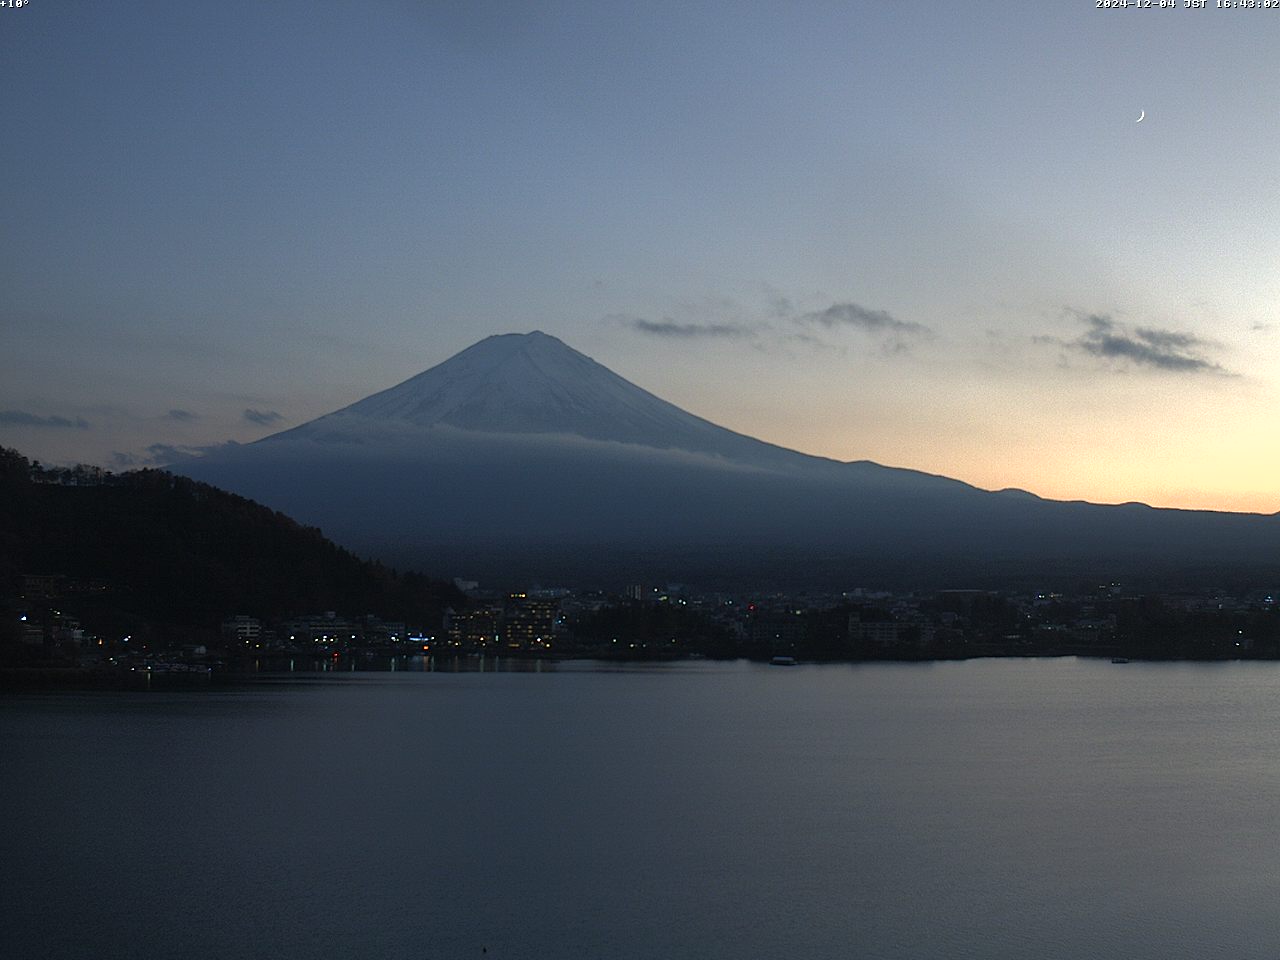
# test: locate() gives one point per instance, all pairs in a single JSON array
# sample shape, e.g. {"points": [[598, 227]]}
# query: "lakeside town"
{"points": [[176, 578], [43, 631]]}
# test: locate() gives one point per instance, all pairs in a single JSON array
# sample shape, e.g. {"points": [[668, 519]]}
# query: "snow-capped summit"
{"points": [[526, 383], [533, 383]]}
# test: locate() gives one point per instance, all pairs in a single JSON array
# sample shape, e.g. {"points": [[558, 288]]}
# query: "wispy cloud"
{"points": [[895, 336], [262, 418], [777, 324], [1172, 351], [20, 418], [856, 315], [182, 416], [164, 454], [666, 327]]}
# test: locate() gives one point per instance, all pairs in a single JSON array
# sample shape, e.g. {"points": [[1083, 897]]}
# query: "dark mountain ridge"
{"points": [[174, 554], [522, 458]]}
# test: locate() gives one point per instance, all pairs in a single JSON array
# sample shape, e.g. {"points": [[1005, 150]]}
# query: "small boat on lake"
{"points": [[782, 662]]}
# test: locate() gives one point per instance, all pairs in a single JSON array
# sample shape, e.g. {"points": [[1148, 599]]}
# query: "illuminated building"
{"points": [[529, 622]]}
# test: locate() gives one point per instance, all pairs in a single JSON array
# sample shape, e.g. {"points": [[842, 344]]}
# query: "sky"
{"points": [[932, 235]]}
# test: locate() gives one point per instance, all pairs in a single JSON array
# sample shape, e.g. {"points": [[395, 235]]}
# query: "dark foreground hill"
{"points": [[152, 549], [521, 459]]}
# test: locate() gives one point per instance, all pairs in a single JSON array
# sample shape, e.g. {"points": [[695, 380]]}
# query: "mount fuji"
{"points": [[533, 384], [522, 459]]}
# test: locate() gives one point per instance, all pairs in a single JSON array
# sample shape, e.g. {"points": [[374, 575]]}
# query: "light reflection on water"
{"points": [[412, 663], [1004, 808]]}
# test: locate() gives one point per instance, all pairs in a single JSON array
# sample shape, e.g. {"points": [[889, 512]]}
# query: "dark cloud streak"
{"points": [[262, 418], [895, 336], [685, 331], [20, 418], [1173, 351], [863, 318]]}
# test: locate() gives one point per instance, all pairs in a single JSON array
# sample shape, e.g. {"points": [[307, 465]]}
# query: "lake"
{"points": [[1056, 808]]}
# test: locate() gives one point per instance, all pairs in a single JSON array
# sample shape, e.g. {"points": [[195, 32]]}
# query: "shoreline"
{"points": [[88, 679]]}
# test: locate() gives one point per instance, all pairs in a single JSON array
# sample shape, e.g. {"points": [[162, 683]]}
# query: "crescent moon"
{"points": [[1139, 120]]}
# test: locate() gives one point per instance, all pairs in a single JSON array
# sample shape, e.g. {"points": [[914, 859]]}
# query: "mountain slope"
{"points": [[182, 555], [522, 456], [534, 384]]}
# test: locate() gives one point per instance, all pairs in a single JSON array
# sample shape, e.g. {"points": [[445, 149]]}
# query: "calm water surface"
{"points": [[987, 809]]}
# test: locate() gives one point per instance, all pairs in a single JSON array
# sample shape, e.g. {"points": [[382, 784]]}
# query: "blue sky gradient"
{"points": [[930, 235]]}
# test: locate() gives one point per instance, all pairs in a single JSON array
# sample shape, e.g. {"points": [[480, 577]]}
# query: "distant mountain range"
{"points": [[520, 458]]}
